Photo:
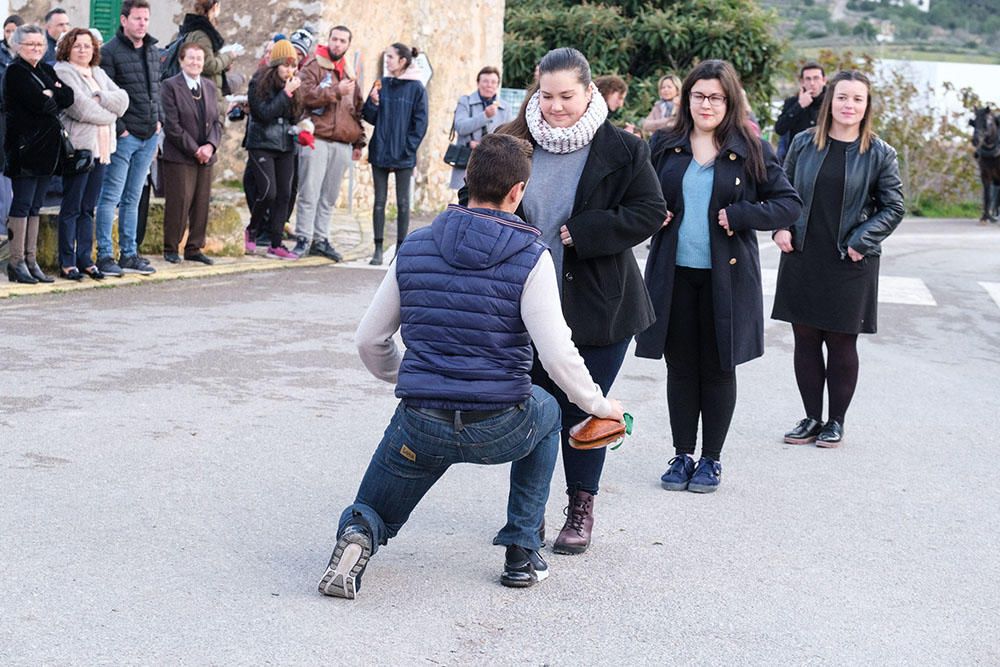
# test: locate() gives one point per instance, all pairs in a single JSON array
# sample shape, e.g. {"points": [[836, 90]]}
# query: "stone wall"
{"points": [[458, 38]]}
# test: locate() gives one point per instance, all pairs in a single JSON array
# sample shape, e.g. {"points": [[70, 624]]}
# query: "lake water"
{"points": [[983, 79]]}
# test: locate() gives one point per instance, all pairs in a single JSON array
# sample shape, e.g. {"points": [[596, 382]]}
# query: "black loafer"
{"points": [[199, 257], [831, 435], [72, 274], [804, 432], [172, 257], [94, 272]]}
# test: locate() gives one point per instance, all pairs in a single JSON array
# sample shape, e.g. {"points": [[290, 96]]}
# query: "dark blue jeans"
{"points": [[583, 468], [76, 218], [417, 449]]}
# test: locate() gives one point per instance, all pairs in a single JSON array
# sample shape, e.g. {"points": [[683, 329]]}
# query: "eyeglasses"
{"points": [[715, 100]]}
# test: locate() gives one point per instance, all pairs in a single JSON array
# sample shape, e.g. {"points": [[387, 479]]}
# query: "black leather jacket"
{"points": [[270, 120], [873, 192]]}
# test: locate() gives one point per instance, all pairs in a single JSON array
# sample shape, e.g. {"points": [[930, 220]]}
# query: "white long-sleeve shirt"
{"points": [[541, 313]]}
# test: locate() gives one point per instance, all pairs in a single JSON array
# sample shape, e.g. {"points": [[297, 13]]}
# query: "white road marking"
{"points": [[891, 289], [993, 289]]}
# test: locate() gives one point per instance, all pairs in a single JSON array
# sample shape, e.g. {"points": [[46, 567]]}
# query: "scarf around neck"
{"points": [[561, 140]]}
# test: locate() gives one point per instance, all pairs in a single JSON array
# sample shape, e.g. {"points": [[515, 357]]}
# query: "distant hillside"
{"points": [[951, 26]]}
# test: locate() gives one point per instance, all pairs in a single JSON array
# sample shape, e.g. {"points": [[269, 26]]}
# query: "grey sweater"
{"points": [[548, 201]]}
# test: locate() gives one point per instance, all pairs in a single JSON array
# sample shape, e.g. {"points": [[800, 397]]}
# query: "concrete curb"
{"points": [[351, 236]]}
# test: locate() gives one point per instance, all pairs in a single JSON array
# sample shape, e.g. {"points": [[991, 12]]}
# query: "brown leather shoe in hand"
{"points": [[574, 538]]}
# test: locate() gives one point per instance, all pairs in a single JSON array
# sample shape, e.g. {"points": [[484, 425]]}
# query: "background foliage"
{"points": [[641, 40]]}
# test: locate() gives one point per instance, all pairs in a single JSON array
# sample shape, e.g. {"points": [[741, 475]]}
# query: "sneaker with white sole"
{"points": [[523, 567], [350, 557]]}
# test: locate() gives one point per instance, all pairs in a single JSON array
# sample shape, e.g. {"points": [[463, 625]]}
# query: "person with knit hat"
{"points": [[303, 41], [275, 105], [333, 101]]}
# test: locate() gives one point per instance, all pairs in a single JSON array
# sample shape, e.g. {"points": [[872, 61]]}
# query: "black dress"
{"points": [[815, 286]]}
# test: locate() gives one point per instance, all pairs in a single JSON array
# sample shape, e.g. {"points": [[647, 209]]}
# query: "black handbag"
{"points": [[74, 161], [456, 155]]}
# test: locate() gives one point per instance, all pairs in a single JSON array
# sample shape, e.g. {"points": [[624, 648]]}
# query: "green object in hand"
{"points": [[628, 430]]}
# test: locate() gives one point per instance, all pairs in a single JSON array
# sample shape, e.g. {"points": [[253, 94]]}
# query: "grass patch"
{"points": [[232, 184], [933, 208]]}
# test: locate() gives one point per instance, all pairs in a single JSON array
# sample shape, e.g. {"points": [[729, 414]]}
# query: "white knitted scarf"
{"points": [[562, 140]]}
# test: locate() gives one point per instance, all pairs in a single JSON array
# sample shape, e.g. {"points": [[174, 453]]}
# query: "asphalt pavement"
{"points": [[174, 457]]}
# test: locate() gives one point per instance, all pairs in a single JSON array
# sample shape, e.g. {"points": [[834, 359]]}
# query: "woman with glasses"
{"points": [[721, 184], [33, 98], [828, 287], [98, 103]]}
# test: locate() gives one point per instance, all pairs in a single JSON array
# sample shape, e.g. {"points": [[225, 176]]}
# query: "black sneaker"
{"points": [[343, 575], [134, 264], [301, 246], [324, 249], [109, 267], [523, 567]]}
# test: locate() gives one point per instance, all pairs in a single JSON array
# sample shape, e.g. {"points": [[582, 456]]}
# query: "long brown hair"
{"points": [[557, 60], [266, 82], [734, 122], [825, 118]]}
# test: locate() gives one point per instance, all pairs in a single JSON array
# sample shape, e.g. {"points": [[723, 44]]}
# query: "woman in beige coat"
{"points": [[97, 104]]}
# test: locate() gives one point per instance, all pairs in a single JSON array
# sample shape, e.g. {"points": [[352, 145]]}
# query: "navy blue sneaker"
{"points": [[706, 477], [678, 474], [343, 575]]}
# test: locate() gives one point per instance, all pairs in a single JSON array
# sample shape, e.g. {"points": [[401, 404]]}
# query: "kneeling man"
{"points": [[470, 294]]}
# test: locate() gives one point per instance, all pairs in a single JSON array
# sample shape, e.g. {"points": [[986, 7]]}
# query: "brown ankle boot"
{"points": [[574, 538]]}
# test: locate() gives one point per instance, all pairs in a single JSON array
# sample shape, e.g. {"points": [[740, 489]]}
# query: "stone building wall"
{"points": [[458, 38]]}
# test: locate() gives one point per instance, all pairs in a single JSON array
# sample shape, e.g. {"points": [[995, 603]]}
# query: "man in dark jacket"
{"points": [[132, 61], [801, 110], [470, 295], [56, 25]]}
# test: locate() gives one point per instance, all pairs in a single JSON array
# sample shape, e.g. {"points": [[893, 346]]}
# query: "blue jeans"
{"points": [[122, 188], [76, 218], [417, 449]]}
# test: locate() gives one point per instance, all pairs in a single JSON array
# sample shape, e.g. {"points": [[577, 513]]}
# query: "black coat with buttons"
{"points": [[736, 285]]}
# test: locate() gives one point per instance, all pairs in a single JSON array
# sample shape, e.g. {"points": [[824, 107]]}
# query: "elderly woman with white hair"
{"points": [[34, 97]]}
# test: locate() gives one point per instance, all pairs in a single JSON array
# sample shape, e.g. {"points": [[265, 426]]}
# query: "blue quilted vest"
{"points": [[460, 284]]}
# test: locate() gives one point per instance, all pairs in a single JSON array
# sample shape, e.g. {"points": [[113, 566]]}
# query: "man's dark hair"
{"points": [[129, 5], [498, 163], [57, 10], [15, 19], [342, 28], [489, 69], [812, 64]]}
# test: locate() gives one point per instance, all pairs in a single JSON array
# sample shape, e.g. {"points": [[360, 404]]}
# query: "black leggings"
{"points": [[697, 385], [380, 177], [272, 174], [839, 371]]}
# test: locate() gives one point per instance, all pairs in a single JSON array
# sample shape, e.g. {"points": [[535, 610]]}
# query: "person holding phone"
{"points": [[800, 111]]}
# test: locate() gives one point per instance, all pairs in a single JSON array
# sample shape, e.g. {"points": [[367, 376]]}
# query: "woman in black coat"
{"points": [[828, 287], [593, 195], [721, 184], [275, 104], [33, 97]]}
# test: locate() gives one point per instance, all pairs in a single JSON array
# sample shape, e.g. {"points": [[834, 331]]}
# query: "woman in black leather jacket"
{"points": [[274, 106], [828, 277]]}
